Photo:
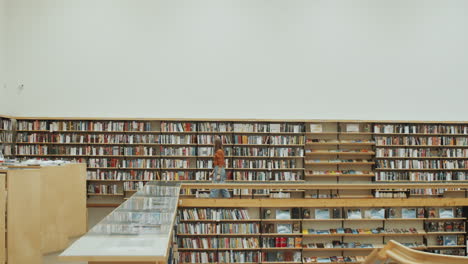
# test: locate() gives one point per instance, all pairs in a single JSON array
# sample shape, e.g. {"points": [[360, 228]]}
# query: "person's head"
{"points": [[217, 143]]}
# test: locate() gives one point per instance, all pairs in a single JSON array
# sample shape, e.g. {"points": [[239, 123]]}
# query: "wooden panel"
{"points": [[2, 217], [23, 206], [54, 203], [373, 202], [75, 186]]}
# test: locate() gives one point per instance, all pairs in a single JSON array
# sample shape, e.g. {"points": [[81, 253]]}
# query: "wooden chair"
{"points": [[395, 252]]}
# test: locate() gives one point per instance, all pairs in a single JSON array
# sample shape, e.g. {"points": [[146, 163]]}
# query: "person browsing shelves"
{"points": [[219, 171]]}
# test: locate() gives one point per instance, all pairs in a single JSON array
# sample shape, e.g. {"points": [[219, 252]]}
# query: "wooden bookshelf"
{"points": [[7, 144], [420, 236], [338, 140]]}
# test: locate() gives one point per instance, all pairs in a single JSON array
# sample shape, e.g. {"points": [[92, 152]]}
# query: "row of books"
{"points": [[6, 136], [123, 175], [86, 138], [428, 191], [420, 153], [103, 188], [176, 163], [185, 176], [416, 141], [214, 127], [6, 150], [209, 139], [268, 140], [425, 129], [422, 164], [230, 127], [281, 242], [198, 228], [178, 126], [254, 127], [127, 163], [215, 228], [83, 125], [213, 214], [6, 124], [88, 150], [220, 257], [178, 139], [421, 176], [213, 243], [267, 152], [264, 164], [266, 176], [390, 194], [184, 151], [133, 186]]}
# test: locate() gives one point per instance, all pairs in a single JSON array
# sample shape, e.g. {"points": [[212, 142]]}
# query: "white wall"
{"points": [[361, 59], [3, 107]]}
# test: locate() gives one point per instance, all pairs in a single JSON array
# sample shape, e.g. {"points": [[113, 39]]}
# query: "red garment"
{"points": [[219, 158]]}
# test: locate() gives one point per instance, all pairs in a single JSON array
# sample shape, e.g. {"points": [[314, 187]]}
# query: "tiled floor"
{"points": [[94, 216]]}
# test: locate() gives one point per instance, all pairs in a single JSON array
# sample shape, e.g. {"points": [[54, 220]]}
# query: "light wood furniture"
{"points": [[22, 214], [396, 252], [63, 203], [43, 207]]}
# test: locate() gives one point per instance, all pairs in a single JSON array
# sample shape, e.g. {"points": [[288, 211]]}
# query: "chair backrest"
{"points": [[404, 255]]}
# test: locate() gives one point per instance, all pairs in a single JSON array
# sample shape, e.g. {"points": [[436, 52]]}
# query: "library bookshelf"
{"points": [[123, 153], [307, 231]]}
